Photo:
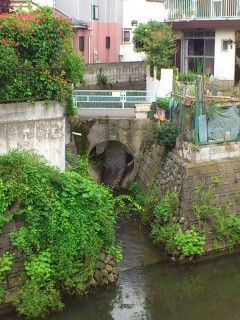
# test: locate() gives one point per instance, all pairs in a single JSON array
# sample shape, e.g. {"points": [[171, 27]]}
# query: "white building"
{"points": [[135, 12]]}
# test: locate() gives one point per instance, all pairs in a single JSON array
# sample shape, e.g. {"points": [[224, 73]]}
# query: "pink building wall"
{"points": [[95, 42]]}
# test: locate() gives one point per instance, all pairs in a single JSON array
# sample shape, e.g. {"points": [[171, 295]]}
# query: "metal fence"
{"points": [[205, 122], [188, 9], [111, 99]]}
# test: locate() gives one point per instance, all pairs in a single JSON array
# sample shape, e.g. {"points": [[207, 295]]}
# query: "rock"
{"points": [[111, 263], [109, 268], [107, 259], [100, 265], [111, 278], [114, 270], [191, 259], [102, 256], [172, 259], [96, 275], [181, 258], [176, 254], [93, 282], [103, 273], [115, 277]]}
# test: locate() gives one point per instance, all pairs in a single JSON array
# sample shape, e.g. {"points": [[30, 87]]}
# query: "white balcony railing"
{"points": [[202, 9]]}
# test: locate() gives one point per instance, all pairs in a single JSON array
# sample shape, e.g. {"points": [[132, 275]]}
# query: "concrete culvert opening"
{"points": [[111, 163]]}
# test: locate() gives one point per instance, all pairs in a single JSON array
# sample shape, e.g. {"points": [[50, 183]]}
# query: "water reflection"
{"points": [[208, 290]]}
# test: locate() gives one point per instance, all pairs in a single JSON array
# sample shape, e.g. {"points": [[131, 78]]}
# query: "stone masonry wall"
{"points": [[176, 173]]}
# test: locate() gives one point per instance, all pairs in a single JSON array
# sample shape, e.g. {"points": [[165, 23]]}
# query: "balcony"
{"points": [[202, 9]]}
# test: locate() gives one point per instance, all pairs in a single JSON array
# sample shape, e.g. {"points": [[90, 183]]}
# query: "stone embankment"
{"points": [[106, 272]]}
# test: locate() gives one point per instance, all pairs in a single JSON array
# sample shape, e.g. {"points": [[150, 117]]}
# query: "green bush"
{"points": [[162, 103], [38, 39], [164, 134], [69, 220], [190, 243]]}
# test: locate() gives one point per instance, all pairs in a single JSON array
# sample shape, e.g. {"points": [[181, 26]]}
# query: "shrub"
{"points": [[68, 219], [162, 103], [190, 243], [164, 134], [38, 39]]}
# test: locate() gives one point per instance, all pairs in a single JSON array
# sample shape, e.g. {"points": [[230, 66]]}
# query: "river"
{"points": [[152, 288]]}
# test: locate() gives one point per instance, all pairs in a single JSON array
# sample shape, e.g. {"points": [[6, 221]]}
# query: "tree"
{"points": [[156, 39]]}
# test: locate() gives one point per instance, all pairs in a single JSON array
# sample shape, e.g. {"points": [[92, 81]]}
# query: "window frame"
{"points": [[95, 12]]}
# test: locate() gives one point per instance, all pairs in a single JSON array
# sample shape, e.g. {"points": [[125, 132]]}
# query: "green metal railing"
{"points": [[111, 99]]}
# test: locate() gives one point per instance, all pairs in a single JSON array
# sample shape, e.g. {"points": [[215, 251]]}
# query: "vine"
{"points": [[68, 219]]}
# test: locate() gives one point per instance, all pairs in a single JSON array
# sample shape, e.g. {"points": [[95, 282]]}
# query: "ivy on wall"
{"points": [[69, 220]]}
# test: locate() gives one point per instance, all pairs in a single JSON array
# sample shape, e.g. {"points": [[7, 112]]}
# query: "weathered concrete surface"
{"points": [[34, 126], [130, 132]]}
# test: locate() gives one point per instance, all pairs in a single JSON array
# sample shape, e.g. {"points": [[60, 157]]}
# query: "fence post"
{"points": [[123, 98], [196, 122]]}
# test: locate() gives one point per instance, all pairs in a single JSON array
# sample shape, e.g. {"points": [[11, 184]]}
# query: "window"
{"points": [[224, 45], [81, 43], [198, 51], [126, 35], [107, 42], [95, 12]]}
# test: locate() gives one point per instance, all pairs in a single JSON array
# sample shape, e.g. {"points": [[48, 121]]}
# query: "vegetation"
{"points": [[162, 103], [68, 221], [5, 266], [161, 218], [102, 79], [164, 134], [156, 39], [38, 39]]}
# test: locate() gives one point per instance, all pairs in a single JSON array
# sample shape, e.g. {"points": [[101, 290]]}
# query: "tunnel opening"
{"points": [[111, 163]]}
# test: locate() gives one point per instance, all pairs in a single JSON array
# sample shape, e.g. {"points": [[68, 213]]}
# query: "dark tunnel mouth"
{"points": [[98, 165]]}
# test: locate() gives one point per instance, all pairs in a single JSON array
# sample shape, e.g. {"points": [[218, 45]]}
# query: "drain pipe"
{"points": [[91, 34]]}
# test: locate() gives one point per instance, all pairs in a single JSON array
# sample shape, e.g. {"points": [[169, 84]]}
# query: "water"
{"points": [[151, 288]]}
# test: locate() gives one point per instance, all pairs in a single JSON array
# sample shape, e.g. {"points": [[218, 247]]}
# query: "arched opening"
{"points": [[111, 163]]}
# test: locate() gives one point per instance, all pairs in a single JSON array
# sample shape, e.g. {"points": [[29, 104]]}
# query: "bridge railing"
{"points": [[111, 99]]}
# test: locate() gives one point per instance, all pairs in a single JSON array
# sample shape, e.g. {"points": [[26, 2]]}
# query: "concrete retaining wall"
{"points": [[116, 72], [34, 126]]}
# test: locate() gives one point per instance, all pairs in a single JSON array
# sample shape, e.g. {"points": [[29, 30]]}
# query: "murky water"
{"points": [[151, 288]]}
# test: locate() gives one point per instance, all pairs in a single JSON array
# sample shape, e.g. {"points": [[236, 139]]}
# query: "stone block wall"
{"points": [[174, 172], [116, 72]]}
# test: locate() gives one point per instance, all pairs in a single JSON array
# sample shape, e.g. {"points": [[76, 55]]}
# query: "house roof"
{"points": [[75, 22], [213, 24]]}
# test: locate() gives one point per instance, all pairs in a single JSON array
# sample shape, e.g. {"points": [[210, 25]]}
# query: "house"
{"points": [[135, 12], [207, 35], [97, 27]]}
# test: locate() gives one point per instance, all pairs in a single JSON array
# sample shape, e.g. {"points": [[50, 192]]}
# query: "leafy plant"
{"points": [[164, 134], [202, 201], [5, 266], [227, 227], [68, 219], [162, 103], [190, 243], [101, 78], [166, 208]]}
